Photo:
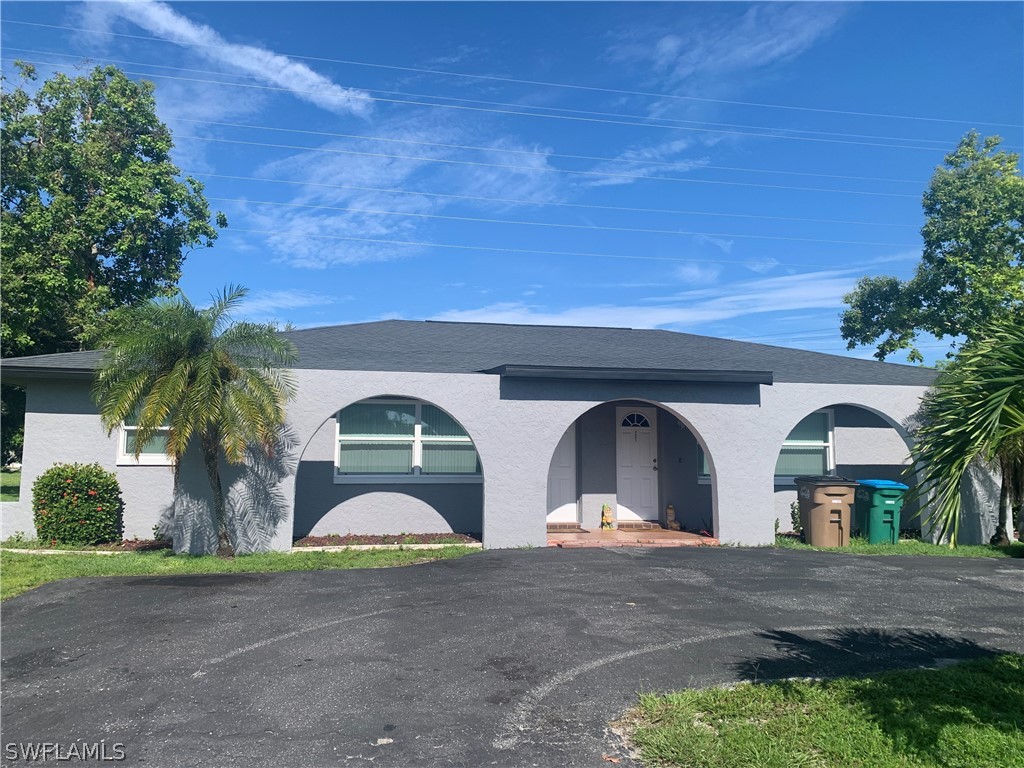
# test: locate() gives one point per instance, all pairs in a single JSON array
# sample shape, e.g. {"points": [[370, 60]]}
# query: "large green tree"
{"points": [[213, 383], [975, 412], [972, 266], [94, 216]]}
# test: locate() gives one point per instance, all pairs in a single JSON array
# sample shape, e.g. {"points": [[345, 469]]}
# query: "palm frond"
{"points": [[974, 411]]}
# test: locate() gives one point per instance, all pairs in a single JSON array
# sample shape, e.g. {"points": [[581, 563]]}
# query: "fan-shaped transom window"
{"points": [[635, 420]]}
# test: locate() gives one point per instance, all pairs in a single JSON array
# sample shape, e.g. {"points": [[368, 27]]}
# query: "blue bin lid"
{"points": [[884, 484]]}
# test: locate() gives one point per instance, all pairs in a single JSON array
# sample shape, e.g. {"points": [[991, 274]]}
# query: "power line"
{"points": [[538, 154], [521, 81], [495, 249], [450, 161], [509, 201], [510, 112], [550, 224], [517, 106], [781, 334]]}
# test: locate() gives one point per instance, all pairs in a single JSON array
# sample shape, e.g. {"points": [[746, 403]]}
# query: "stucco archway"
{"points": [[410, 467], [585, 472], [849, 439]]}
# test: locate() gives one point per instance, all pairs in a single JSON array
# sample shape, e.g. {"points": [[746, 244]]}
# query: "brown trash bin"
{"points": [[826, 502]]}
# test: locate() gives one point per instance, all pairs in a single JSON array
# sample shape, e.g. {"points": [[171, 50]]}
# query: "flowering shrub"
{"points": [[77, 504]]}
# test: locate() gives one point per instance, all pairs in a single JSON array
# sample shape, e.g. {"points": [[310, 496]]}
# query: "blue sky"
{"points": [[727, 169]]}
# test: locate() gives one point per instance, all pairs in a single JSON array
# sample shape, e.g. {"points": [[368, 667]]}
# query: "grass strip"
{"points": [[22, 572], [969, 715], [908, 547]]}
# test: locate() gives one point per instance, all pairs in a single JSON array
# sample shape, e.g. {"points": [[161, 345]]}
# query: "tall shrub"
{"points": [[77, 504]]}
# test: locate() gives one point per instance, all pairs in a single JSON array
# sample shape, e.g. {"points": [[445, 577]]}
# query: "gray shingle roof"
{"points": [[407, 345]]}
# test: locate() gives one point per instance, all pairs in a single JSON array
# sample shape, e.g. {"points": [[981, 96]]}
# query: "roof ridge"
{"points": [[534, 325]]}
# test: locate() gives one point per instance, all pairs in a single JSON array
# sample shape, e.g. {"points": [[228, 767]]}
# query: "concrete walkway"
{"points": [[517, 658]]}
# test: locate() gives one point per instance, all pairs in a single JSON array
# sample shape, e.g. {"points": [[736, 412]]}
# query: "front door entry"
{"points": [[636, 451]]}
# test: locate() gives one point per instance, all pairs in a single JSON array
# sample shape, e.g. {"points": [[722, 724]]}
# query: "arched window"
{"points": [[390, 438], [635, 420]]}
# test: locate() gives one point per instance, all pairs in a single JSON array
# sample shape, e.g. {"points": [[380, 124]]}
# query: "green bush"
{"points": [[77, 504]]}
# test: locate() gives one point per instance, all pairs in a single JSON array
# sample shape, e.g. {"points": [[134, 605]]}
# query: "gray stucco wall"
{"points": [[322, 507], [515, 426], [61, 425]]}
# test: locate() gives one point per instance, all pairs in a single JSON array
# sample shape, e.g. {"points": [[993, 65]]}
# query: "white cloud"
{"points": [[763, 35], [646, 160], [695, 273], [763, 265], [689, 309], [725, 246], [262, 304], [280, 71], [908, 255], [309, 238], [534, 183]]}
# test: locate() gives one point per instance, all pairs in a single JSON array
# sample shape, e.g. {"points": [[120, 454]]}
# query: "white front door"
{"points": [[562, 480], [636, 451]]}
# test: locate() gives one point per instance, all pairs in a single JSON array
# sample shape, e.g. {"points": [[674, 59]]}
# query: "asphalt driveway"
{"points": [[503, 658]]}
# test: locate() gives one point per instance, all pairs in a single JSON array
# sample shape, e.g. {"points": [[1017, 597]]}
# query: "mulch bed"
{"points": [[133, 545], [336, 540]]}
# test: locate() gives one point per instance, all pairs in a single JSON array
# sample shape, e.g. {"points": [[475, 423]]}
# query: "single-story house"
{"points": [[502, 430]]}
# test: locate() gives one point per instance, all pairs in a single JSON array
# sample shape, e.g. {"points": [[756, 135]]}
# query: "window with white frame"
{"points": [[153, 453], [809, 449], [399, 440]]}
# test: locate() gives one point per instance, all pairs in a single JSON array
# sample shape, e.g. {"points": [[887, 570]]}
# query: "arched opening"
{"points": [[635, 459], [845, 439], [389, 465]]}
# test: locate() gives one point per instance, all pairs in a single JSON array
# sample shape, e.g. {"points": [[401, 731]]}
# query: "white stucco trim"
{"points": [[126, 459], [384, 479]]}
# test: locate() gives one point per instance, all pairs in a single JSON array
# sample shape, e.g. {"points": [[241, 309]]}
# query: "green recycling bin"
{"points": [[877, 510]]}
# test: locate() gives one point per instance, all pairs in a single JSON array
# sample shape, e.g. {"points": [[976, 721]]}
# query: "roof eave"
{"points": [[15, 374]]}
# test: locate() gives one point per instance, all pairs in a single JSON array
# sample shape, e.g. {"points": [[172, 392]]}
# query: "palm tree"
{"points": [[201, 377], [975, 412]]}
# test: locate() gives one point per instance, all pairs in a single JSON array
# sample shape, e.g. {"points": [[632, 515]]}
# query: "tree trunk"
{"points": [[176, 538], [211, 458], [1000, 538]]}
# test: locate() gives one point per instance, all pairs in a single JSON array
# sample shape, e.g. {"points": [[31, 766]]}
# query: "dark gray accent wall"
{"points": [[678, 477], [596, 430], [323, 507]]}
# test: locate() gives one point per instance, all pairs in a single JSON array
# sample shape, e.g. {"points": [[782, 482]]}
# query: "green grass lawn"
{"points": [[908, 547], [965, 716], [20, 573], [10, 485]]}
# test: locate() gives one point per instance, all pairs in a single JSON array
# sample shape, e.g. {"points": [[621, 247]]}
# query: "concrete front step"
{"points": [[624, 539], [616, 544]]}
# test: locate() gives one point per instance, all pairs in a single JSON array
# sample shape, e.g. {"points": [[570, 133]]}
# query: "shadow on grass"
{"points": [[918, 709]]}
